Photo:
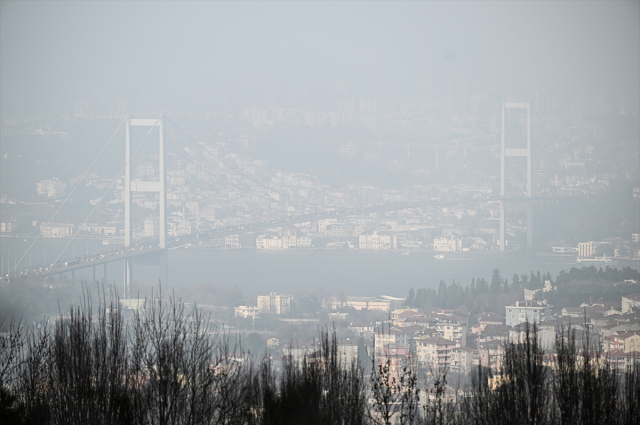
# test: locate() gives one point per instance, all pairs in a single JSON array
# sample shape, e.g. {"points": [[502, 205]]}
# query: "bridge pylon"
{"points": [[527, 204], [159, 187]]}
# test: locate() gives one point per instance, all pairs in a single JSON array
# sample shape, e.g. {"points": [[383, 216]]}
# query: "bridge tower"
{"points": [[527, 204], [159, 187]]}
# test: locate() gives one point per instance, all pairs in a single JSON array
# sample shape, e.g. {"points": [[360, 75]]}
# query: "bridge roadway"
{"points": [[144, 250], [101, 259]]}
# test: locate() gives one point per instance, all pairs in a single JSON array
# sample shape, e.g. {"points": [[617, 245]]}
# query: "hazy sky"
{"points": [[175, 55]]}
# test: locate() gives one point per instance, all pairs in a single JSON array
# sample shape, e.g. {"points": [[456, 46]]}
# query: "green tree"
{"points": [[496, 282], [411, 298], [442, 294]]}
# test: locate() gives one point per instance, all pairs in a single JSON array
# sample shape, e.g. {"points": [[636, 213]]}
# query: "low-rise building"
{"points": [[361, 328], [246, 311], [57, 230]]}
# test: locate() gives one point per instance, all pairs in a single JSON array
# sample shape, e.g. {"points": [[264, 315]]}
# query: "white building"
{"points": [[447, 244], [246, 311], [151, 227], [586, 249], [630, 302], [285, 242], [347, 352], [524, 311], [274, 303], [304, 242], [57, 230], [232, 241], [374, 241], [51, 188]]}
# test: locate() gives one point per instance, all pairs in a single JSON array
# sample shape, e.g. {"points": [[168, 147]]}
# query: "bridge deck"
{"points": [[102, 259]]}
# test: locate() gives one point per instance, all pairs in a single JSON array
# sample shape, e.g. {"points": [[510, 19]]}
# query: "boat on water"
{"points": [[595, 260], [439, 257], [405, 253]]}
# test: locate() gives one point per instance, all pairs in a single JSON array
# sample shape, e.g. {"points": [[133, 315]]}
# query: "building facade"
{"points": [[527, 311], [274, 303]]}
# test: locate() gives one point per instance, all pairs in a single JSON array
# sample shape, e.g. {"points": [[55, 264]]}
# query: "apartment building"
{"points": [[398, 357], [462, 359], [630, 302], [491, 354], [389, 337], [246, 311], [453, 330], [527, 311], [587, 249], [434, 351]]}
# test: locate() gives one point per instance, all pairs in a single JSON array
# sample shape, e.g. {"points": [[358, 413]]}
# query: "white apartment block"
{"points": [[51, 188], [232, 241], [445, 244], [246, 311], [151, 227], [527, 311], [304, 242], [374, 241], [587, 249], [274, 303], [275, 242], [630, 302], [452, 331]]}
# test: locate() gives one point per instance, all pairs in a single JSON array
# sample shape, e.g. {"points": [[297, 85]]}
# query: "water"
{"points": [[354, 272]]}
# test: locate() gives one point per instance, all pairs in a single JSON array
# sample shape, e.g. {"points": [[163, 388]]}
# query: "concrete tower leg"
{"points": [[164, 267], [502, 225], [529, 225], [127, 186], [128, 276]]}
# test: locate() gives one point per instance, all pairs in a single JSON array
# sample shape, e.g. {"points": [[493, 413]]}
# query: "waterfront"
{"points": [[355, 272]]}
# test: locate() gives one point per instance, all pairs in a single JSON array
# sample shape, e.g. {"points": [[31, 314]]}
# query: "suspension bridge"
{"points": [[136, 253]]}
